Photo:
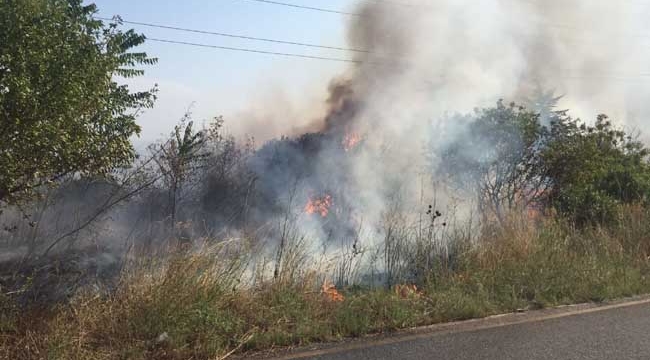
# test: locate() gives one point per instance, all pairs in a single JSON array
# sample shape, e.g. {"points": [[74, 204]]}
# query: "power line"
{"points": [[235, 36], [567, 76], [307, 7], [256, 51], [550, 25], [414, 6]]}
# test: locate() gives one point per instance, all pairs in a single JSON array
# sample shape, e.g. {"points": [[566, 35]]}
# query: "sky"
{"points": [[245, 87], [214, 82]]}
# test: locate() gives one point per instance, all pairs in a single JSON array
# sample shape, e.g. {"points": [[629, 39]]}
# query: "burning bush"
{"points": [[350, 141], [320, 206], [407, 291], [329, 291]]}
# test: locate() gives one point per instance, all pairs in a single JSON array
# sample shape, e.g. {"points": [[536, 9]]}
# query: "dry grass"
{"points": [[193, 305]]}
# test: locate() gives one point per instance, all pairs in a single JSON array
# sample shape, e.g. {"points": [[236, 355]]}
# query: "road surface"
{"points": [[616, 331]]}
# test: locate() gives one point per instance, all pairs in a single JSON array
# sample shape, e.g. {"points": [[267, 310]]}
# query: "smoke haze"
{"points": [[432, 58], [361, 142]]}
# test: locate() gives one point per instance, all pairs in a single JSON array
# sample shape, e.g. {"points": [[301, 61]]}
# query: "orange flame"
{"points": [[350, 141], [329, 290], [407, 291], [319, 206]]}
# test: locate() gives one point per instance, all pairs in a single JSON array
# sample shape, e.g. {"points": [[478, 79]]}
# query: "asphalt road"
{"points": [[620, 331]]}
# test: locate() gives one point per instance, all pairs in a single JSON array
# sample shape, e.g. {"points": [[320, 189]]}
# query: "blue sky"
{"points": [[222, 82]]}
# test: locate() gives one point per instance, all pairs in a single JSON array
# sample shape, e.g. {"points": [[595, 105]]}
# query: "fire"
{"points": [[350, 141], [319, 206], [329, 290], [407, 291]]}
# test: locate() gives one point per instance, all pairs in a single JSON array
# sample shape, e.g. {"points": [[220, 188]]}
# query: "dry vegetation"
{"points": [[195, 304], [86, 269]]}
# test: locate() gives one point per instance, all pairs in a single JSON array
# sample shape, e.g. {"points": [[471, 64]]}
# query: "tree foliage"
{"points": [[497, 158], [62, 110], [593, 169], [509, 160], [178, 160]]}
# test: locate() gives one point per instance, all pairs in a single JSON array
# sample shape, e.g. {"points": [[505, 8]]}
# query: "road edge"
{"points": [[410, 334]]}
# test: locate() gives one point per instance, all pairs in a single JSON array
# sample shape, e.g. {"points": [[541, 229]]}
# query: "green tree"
{"points": [[179, 159], [593, 169], [496, 158], [509, 161], [62, 110]]}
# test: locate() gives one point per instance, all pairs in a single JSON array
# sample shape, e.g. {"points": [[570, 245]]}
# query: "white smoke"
{"points": [[438, 57], [457, 55], [435, 57], [451, 56]]}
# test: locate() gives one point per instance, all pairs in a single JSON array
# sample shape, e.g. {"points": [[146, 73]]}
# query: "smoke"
{"points": [[441, 56], [430, 58], [427, 59], [365, 145]]}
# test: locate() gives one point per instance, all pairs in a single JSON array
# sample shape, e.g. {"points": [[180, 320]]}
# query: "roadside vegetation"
{"points": [[559, 215], [195, 306]]}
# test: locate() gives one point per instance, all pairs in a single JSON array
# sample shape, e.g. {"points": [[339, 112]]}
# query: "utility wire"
{"points": [[414, 6], [233, 35], [255, 51], [307, 7], [567, 73], [568, 76], [347, 60]]}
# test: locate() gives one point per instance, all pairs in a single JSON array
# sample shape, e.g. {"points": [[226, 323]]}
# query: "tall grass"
{"points": [[202, 304]]}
